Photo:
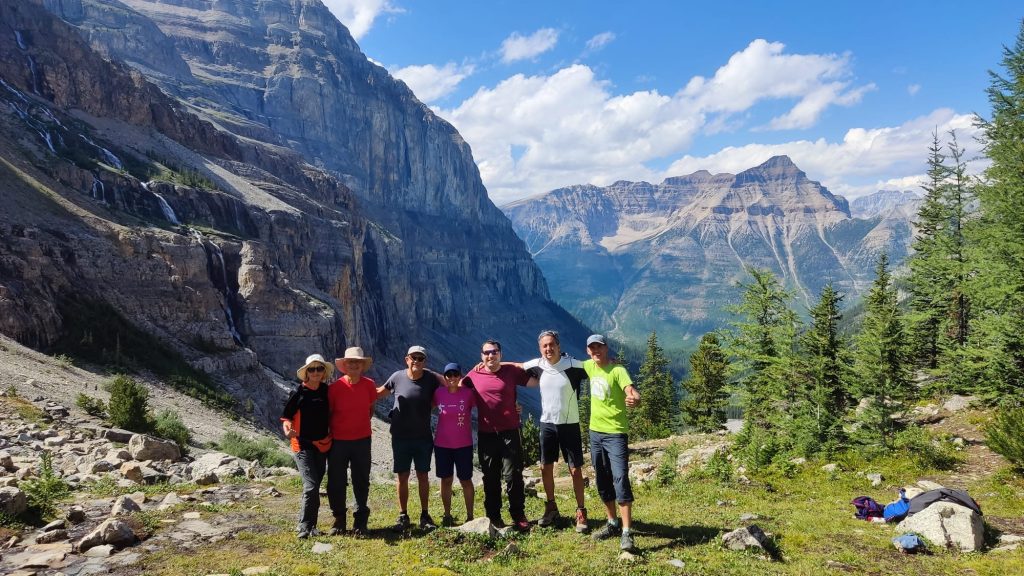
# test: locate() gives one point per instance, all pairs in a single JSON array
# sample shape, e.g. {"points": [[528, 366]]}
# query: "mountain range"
{"points": [[634, 257], [237, 185]]}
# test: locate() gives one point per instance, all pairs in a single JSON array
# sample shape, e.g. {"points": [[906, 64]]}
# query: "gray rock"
{"points": [[171, 499], [947, 524], [798, 461], [111, 531], [627, 557], [99, 467], [748, 517], [216, 465], [132, 471], [124, 506], [322, 548], [6, 462], [101, 551], [929, 485], [956, 403], [875, 478], [55, 525], [143, 447], [481, 525], [118, 435], [52, 536], [747, 537], [677, 563], [253, 570], [75, 515], [55, 441], [13, 501]]}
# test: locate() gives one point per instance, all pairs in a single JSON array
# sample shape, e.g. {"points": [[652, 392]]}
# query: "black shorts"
{"points": [[561, 437]]}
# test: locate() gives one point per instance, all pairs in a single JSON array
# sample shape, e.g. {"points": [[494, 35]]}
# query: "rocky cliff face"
{"points": [[900, 204], [226, 237], [634, 257]]}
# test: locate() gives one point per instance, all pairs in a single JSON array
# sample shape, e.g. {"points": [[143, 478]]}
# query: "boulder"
{"points": [[947, 524], [143, 447], [6, 462], [132, 471], [875, 478], [482, 525], [956, 403], [214, 467], [117, 435], [830, 468], [52, 536], [115, 532], [123, 506], [12, 501], [76, 514], [747, 537]]}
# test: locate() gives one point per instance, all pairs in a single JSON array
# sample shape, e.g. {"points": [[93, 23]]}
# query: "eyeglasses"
{"points": [[418, 358], [315, 369], [490, 352]]}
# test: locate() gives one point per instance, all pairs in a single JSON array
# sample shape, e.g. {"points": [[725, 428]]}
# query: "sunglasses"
{"points": [[418, 358], [453, 375], [490, 352], [315, 369]]}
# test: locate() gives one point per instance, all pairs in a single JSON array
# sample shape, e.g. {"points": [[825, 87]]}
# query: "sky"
{"points": [[554, 93]]}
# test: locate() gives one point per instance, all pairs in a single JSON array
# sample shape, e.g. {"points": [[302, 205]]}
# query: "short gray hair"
{"points": [[552, 333]]}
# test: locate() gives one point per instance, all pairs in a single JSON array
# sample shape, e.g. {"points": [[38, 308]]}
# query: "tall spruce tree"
{"points": [[656, 415], [825, 370], [761, 347], [881, 362], [704, 406], [995, 355], [928, 313], [959, 269]]}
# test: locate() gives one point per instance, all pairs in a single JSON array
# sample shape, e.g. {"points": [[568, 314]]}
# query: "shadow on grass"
{"points": [[677, 535]]}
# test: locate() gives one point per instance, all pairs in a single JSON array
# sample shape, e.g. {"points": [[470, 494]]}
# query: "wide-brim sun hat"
{"points": [[313, 359], [356, 353]]}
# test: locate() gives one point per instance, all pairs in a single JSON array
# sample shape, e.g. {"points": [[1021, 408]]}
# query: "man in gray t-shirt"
{"points": [[411, 438]]}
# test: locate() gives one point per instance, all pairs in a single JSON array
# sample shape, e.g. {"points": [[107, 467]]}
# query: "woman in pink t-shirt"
{"points": [[453, 441]]}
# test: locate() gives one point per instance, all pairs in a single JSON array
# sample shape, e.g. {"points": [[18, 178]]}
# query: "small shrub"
{"points": [[719, 467], [267, 451], [91, 406], [531, 441], [667, 472], [129, 404], [168, 424], [924, 450], [1005, 435], [47, 490], [64, 360]]}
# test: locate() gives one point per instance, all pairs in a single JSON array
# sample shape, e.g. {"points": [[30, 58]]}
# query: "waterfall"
{"points": [[32, 70], [52, 117], [97, 191], [166, 209], [108, 156], [215, 259], [49, 139], [21, 41]]}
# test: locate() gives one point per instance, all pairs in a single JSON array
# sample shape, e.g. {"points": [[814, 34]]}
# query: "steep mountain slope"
{"points": [[635, 257], [227, 241], [883, 202]]}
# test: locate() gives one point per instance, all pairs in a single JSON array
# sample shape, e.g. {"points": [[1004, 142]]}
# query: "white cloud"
{"points": [[358, 15], [519, 47], [599, 41], [863, 162], [431, 83], [913, 89], [531, 134]]}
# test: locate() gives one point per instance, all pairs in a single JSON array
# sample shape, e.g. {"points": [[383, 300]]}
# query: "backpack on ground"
{"points": [[867, 508], [896, 511]]}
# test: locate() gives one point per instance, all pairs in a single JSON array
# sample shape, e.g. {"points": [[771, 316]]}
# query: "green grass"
{"points": [[808, 515]]}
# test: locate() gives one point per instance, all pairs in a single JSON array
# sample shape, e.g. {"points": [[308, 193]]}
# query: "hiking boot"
{"points": [[360, 529], [626, 542], [550, 515], [303, 534], [521, 524], [607, 531], [581, 521], [447, 521], [426, 522], [339, 527], [402, 524], [497, 522]]}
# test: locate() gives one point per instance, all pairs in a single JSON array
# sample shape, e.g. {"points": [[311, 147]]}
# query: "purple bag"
{"points": [[867, 508]]}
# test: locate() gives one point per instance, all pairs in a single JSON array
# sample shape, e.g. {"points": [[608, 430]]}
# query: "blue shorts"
{"points": [[407, 451], [449, 459], [564, 438]]}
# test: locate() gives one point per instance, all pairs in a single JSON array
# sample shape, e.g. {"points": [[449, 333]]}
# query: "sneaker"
{"points": [[402, 524], [607, 531], [521, 524], [447, 521], [581, 521], [303, 534], [626, 542], [426, 522], [339, 527], [550, 515]]}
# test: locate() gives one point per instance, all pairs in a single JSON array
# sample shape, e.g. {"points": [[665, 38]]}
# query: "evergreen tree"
{"points": [[881, 362], [704, 406], [928, 310], [824, 368], [655, 416], [997, 344], [761, 345], [960, 265]]}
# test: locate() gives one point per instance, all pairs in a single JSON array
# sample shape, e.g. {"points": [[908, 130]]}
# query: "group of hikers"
{"points": [[328, 426]]}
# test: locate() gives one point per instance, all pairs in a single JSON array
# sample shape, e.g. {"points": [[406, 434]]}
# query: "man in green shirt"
{"points": [[611, 392]]}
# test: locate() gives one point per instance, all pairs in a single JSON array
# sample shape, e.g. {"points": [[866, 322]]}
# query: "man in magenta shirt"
{"points": [[499, 444], [453, 441]]}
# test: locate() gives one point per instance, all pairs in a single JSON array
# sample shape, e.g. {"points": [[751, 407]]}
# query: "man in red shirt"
{"points": [[351, 399]]}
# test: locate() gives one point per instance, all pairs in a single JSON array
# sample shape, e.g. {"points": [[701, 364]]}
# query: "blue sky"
{"points": [[556, 93]]}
